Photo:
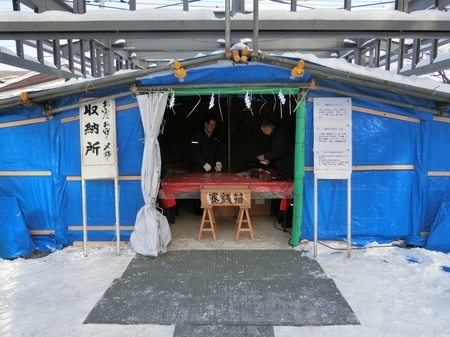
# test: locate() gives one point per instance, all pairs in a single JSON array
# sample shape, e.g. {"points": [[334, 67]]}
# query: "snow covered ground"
{"points": [[393, 291]]}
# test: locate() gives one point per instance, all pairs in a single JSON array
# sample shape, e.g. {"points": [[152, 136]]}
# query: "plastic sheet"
{"points": [[439, 238], [187, 185], [254, 73], [46, 243], [15, 240], [51, 200]]}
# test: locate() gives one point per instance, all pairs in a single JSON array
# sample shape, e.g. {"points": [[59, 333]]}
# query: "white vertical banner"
{"points": [[332, 150], [98, 153], [98, 140]]}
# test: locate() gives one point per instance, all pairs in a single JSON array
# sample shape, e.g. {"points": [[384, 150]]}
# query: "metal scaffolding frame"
{"points": [[98, 48], [45, 99]]}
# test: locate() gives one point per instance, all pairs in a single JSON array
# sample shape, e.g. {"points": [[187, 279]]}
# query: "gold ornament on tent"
{"points": [[299, 70], [179, 71]]}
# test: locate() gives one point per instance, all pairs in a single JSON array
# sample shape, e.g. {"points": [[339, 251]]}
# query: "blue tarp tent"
{"points": [[398, 179]]}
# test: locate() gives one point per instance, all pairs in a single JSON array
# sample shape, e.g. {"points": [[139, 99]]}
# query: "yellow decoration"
{"points": [[179, 71], [176, 64], [235, 56], [244, 57], [299, 70], [24, 96]]}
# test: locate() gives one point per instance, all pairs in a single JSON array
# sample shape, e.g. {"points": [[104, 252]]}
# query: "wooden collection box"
{"points": [[224, 195]]}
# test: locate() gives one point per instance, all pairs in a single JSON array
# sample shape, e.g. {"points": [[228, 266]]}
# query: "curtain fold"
{"points": [[151, 233]]}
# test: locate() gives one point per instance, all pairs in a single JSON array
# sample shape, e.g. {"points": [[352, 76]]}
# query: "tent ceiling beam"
{"points": [[287, 84], [185, 91], [359, 79], [51, 112], [316, 71], [228, 89]]}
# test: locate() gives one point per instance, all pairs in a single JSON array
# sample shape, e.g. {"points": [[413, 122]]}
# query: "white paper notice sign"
{"points": [[333, 161], [333, 137], [98, 140], [333, 109]]}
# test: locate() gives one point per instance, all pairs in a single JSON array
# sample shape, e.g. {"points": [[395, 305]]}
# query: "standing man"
{"points": [[204, 151], [281, 155], [204, 147]]}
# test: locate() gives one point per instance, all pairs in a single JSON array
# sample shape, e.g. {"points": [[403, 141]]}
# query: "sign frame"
{"points": [[332, 151]]}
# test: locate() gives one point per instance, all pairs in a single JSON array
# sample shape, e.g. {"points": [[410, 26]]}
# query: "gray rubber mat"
{"points": [[223, 288], [223, 331]]}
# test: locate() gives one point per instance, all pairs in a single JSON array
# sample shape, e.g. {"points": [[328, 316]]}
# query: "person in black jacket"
{"points": [[281, 155], [204, 147], [204, 151]]}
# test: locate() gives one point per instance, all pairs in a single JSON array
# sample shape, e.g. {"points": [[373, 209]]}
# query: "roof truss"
{"points": [[146, 42]]}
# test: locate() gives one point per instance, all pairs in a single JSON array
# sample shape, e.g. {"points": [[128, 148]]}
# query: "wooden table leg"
{"points": [[207, 218], [244, 217]]}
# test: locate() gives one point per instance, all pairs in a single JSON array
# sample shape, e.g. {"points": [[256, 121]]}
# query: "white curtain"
{"points": [[151, 233]]}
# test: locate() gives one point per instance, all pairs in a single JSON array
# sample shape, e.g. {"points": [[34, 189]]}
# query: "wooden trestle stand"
{"points": [[220, 196]]}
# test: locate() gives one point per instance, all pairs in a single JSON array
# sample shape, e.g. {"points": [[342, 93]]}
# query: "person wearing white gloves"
{"points": [[204, 147], [204, 150]]}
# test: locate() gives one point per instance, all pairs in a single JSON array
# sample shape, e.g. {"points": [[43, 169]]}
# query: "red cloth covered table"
{"points": [[187, 186]]}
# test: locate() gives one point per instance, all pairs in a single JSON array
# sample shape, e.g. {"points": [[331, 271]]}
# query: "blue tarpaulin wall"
{"points": [[439, 239], [386, 204], [383, 202], [45, 164], [15, 239]]}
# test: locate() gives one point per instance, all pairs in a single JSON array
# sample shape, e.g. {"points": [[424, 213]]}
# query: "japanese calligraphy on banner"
{"points": [[98, 140], [333, 136], [225, 196]]}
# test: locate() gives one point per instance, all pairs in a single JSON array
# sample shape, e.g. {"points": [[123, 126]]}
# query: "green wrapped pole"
{"points": [[299, 172]]}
